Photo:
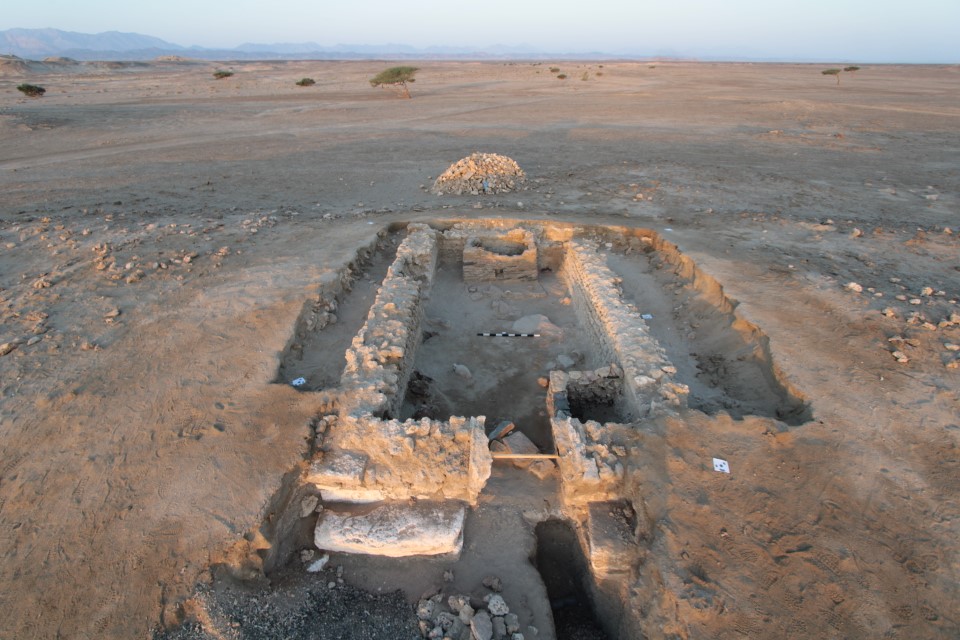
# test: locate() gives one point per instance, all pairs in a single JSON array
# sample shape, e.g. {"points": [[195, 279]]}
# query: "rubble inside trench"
{"points": [[500, 375]]}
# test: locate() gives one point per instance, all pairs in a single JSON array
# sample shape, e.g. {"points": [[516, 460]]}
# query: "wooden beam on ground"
{"points": [[497, 455]]}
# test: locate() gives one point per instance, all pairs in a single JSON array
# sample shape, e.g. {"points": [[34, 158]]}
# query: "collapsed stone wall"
{"points": [[620, 331], [379, 362]]}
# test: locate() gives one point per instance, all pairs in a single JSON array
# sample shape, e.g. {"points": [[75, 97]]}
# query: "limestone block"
{"points": [[611, 544], [338, 469], [353, 496], [396, 529]]}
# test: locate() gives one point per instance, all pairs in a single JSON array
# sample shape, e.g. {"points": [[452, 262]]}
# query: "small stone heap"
{"points": [[478, 173], [455, 618]]}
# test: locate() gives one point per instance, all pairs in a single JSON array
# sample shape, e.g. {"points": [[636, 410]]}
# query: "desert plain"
{"points": [[161, 232]]}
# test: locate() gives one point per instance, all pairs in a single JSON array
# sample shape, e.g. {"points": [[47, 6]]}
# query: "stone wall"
{"points": [[621, 334], [378, 363], [369, 460], [506, 257]]}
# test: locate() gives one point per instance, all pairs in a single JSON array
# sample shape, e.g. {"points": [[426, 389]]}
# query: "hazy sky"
{"points": [[841, 30]]}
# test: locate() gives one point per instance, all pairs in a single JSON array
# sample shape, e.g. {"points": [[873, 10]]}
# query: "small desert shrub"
{"points": [[31, 90], [562, 76], [851, 68], [599, 73], [832, 72], [554, 69], [221, 74], [306, 82], [585, 76]]}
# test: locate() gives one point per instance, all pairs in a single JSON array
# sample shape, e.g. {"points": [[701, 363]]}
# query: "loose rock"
{"points": [[496, 605], [482, 626]]}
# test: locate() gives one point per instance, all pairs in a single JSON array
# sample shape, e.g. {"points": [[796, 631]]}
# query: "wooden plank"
{"points": [[523, 456]]}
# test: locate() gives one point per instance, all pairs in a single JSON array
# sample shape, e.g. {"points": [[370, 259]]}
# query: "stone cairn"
{"points": [[455, 618], [478, 173]]}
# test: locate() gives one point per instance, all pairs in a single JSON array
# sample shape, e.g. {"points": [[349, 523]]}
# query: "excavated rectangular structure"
{"points": [[369, 456]]}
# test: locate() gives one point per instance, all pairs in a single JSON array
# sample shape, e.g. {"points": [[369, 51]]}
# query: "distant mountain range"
{"points": [[37, 44]]}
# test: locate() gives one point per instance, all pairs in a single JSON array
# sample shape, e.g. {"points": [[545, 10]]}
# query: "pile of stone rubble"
{"points": [[456, 618], [478, 173]]}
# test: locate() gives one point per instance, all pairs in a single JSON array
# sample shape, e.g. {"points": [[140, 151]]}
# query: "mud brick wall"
{"points": [[507, 257], [367, 459], [622, 334], [379, 362]]}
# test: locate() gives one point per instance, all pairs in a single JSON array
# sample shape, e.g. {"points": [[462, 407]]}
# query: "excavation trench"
{"points": [[482, 383]]}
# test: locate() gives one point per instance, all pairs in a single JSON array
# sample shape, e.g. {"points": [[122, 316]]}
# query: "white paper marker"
{"points": [[721, 465]]}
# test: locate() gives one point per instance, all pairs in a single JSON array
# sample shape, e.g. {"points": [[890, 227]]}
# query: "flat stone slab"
{"points": [[395, 530]]}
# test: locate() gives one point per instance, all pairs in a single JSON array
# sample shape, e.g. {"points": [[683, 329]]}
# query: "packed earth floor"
{"points": [[176, 250]]}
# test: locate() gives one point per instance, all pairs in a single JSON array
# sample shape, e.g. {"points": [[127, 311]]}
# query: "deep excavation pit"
{"points": [[504, 372], [567, 578]]}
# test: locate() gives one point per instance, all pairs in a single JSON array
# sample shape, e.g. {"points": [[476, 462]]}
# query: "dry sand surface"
{"points": [[162, 231]]}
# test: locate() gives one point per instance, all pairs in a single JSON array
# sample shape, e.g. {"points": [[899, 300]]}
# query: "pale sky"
{"points": [[842, 30]]}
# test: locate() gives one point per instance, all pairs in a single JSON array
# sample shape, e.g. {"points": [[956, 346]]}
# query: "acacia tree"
{"points": [[395, 77], [832, 72]]}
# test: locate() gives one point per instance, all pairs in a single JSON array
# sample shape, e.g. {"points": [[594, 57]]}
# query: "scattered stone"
{"points": [[512, 622], [519, 443], [565, 361], [539, 324], [496, 605], [542, 469], [462, 371], [901, 357], [502, 430], [426, 609], [482, 626], [308, 505], [926, 291], [499, 628], [853, 286], [318, 565], [856, 233], [480, 173], [7, 347], [543, 382], [34, 340], [456, 603], [890, 312], [494, 584], [949, 346], [448, 576], [916, 301]]}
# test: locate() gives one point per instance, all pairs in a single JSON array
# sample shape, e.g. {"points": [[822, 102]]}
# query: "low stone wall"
{"points": [[378, 363], [621, 334], [507, 257], [367, 460]]}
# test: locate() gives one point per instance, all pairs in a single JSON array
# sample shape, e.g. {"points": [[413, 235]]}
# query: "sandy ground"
{"points": [[137, 448]]}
